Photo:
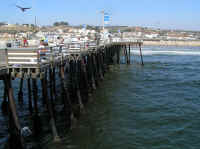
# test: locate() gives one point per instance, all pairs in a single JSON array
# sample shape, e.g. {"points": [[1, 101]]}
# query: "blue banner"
{"points": [[106, 18]]}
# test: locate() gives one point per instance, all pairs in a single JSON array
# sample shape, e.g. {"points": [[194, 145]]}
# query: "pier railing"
{"points": [[78, 47], [29, 56], [22, 56], [36, 57]]}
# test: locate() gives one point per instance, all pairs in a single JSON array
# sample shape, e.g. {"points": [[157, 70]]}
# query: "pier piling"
{"points": [[141, 54], [4, 105], [30, 105], [56, 138], [16, 139], [36, 119], [129, 54], [20, 94]]}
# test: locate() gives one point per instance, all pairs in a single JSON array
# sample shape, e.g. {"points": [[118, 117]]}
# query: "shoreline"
{"points": [[172, 43]]}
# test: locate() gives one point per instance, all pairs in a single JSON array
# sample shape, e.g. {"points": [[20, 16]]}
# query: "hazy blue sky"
{"points": [[172, 14]]}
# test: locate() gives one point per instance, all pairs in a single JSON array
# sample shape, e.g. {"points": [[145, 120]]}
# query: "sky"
{"points": [[164, 14]]}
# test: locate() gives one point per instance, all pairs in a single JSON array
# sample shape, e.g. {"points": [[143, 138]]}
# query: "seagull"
{"points": [[22, 9]]}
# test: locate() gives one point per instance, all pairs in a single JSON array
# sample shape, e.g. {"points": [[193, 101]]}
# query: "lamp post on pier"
{"points": [[102, 19]]}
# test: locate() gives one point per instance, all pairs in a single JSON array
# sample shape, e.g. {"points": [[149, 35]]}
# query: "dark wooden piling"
{"points": [[67, 84], [4, 105], [95, 69], [51, 88], [118, 55], [35, 95], [78, 83], [126, 50], [103, 62], [125, 54], [99, 66], [20, 93], [91, 71], [129, 54], [69, 116], [85, 84], [16, 139], [56, 137], [36, 118], [141, 55], [88, 74], [30, 105], [106, 59], [54, 81], [73, 87]]}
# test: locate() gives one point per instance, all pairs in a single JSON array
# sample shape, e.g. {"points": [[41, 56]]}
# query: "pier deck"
{"points": [[31, 62]]}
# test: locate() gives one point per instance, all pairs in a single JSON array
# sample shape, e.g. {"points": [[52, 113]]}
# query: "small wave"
{"points": [[165, 52]]}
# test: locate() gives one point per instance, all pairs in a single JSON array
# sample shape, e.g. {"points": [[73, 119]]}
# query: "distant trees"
{"points": [[62, 23], [89, 27]]}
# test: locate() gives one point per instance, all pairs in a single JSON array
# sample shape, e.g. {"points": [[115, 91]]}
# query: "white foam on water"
{"points": [[166, 52]]}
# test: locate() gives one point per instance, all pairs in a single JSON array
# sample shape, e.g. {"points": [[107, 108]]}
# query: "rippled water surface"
{"points": [[152, 107]]}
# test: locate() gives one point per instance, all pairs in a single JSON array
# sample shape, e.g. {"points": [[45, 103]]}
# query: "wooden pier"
{"points": [[80, 68]]}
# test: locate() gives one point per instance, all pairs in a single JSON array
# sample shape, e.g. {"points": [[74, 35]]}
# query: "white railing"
{"points": [[125, 40]]}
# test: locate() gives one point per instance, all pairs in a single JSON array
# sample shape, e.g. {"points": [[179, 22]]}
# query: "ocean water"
{"points": [[156, 106]]}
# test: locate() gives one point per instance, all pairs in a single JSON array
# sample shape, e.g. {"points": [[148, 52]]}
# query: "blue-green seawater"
{"points": [[156, 106]]}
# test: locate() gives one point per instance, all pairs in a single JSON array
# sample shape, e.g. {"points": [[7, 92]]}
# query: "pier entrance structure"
{"points": [[75, 69]]}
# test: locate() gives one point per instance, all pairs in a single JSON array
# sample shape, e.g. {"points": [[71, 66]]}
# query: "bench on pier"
{"points": [[3, 62], [25, 61]]}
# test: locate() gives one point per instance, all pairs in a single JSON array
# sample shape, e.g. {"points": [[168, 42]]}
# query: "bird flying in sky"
{"points": [[23, 9]]}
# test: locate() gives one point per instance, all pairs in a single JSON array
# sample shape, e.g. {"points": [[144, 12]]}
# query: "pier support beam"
{"points": [[56, 138], [20, 94], [36, 118], [129, 54], [16, 140], [65, 74], [51, 89], [69, 115], [99, 66], [125, 54], [54, 82], [95, 70], [118, 55], [30, 105], [4, 105], [141, 55], [85, 86], [103, 62], [91, 72], [78, 82]]}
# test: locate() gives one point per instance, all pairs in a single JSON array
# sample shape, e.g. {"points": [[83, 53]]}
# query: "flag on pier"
{"points": [[106, 18]]}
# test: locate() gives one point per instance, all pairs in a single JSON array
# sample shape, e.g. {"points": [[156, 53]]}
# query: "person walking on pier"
{"points": [[25, 42]]}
